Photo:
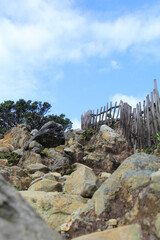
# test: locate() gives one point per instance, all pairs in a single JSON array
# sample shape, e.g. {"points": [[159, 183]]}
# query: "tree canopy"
{"points": [[34, 114]]}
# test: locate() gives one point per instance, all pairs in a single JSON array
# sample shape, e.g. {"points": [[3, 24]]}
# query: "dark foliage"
{"points": [[28, 112]]}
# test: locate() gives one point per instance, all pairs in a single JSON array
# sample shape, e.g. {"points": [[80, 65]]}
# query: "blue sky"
{"points": [[79, 54]]}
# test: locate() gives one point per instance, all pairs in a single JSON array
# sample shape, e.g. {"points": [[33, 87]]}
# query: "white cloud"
{"points": [[55, 30], [76, 124], [132, 101], [34, 33]]}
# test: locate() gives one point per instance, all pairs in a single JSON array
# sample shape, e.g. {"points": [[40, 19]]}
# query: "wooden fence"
{"points": [[139, 125], [105, 115]]}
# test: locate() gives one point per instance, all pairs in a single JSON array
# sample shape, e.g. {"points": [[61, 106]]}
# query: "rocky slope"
{"points": [[93, 187]]}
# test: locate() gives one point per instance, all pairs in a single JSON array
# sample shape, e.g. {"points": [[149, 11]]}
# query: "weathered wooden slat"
{"points": [[96, 121], [155, 129], [114, 111], [106, 113], [134, 129], [110, 114], [148, 120], [141, 126], [100, 116], [118, 112], [144, 124], [138, 127], [82, 121], [93, 118], [103, 113]]}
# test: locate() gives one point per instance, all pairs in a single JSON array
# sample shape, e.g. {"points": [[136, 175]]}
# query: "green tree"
{"points": [[28, 112]]}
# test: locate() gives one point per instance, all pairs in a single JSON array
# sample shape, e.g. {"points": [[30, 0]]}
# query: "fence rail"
{"points": [[139, 125], [105, 115]]}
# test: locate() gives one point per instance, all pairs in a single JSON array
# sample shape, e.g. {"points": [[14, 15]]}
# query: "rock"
{"points": [[18, 220], [18, 152], [36, 175], [50, 135], [112, 222], [41, 176], [4, 149], [46, 185], [135, 180], [130, 194], [130, 232], [36, 147], [50, 176], [55, 208], [137, 162], [64, 178], [57, 175], [105, 175], [155, 181], [74, 134], [62, 165], [69, 151], [29, 157], [108, 133], [4, 163], [32, 168], [60, 148], [33, 132], [1, 136], [82, 182], [57, 161], [16, 176], [157, 225], [16, 137]]}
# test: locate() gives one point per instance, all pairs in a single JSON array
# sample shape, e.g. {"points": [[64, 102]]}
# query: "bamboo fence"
{"points": [[139, 125]]}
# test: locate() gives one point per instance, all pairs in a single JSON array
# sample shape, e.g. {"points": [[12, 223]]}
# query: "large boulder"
{"points": [[130, 195], [55, 208], [82, 181], [50, 135], [126, 173], [16, 137], [18, 220]]}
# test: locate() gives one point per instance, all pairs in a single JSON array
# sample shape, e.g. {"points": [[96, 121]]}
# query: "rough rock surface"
{"points": [[18, 220], [136, 162], [55, 208], [99, 150], [32, 168], [130, 232], [130, 195], [46, 185], [50, 135], [82, 181], [108, 133], [16, 176], [16, 137], [57, 161], [28, 158], [35, 147]]}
